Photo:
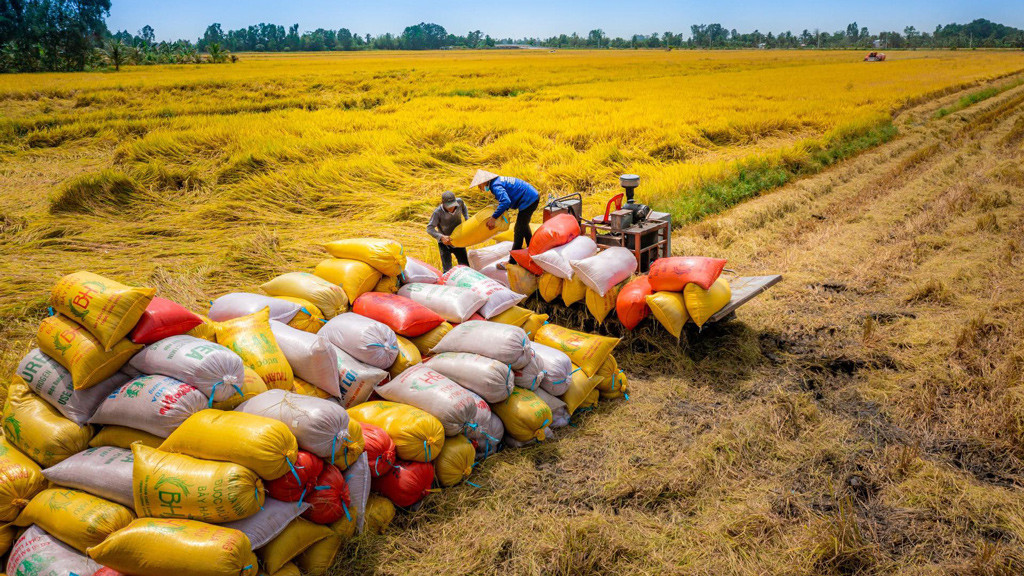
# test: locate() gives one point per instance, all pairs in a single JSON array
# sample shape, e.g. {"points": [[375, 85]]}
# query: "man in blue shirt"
{"points": [[510, 193]]}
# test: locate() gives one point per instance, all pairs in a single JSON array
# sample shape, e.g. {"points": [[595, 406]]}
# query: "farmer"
{"points": [[510, 193], [443, 222]]}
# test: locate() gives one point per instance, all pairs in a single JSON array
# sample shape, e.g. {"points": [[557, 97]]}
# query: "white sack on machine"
{"points": [[605, 269], [556, 261]]}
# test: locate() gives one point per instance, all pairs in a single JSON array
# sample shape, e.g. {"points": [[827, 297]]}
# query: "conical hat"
{"points": [[482, 176]]}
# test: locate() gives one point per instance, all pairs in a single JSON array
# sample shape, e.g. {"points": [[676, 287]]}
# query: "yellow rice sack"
{"points": [[387, 284], [319, 558], [379, 513], [250, 337], [252, 385], [524, 415], [669, 309], [475, 231], [703, 304], [510, 234], [550, 287], [588, 351], [308, 319], [455, 462], [345, 527], [207, 330], [167, 485], [514, 316], [408, 356], [386, 256], [591, 401], [326, 296], [174, 547], [580, 388], [296, 538], [354, 277], [600, 306], [573, 290], [76, 518], [426, 342], [621, 388], [612, 380], [6, 539], [349, 451], [80, 352], [264, 445], [300, 386], [20, 479], [521, 280], [124, 437], [533, 324], [288, 569], [418, 436], [38, 430], [107, 309]]}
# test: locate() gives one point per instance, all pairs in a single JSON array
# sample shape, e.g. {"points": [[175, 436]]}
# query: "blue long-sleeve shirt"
{"points": [[512, 193]]}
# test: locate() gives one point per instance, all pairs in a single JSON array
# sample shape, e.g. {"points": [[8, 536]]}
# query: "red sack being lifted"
{"points": [[404, 316], [674, 273], [104, 571], [379, 449], [329, 498], [522, 257], [163, 319], [287, 488], [631, 303], [407, 483], [555, 232]]}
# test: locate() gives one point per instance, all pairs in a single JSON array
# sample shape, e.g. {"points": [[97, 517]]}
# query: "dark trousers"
{"points": [[523, 234], [446, 256]]}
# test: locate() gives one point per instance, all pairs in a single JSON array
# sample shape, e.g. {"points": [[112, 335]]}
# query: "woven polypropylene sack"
{"points": [[37, 429], [238, 304], [311, 358], [427, 342], [261, 444], [293, 487], [319, 425], [386, 256], [207, 330], [702, 304], [124, 437], [487, 431], [451, 303], [353, 447], [481, 258], [251, 338], [573, 291], [403, 315], [499, 298], [674, 273], [319, 557], [163, 319], [524, 415], [107, 309], [521, 280], [295, 539], [309, 318], [154, 404], [417, 434], [52, 382], [475, 231], [581, 386], [503, 342], [80, 352], [419, 272], [271, 520], [357, 476], [535, 322], [379, 513], [174, 547], [252, 385], [328, 297], [631, 302], [601, 306], [407, 483], [556, 367], [379, 449], [528, 376], [499, 273], [20, 480], [105, 472], [523, 260], [37, 552], [432, 392], [555, 232], [455, 463], [168, 485], [489, 378], [354, 277], [559, 410], [669, 309], [556, 261], [365, 339], [213, 369], [587, 351], [76, 518], [549, 286], [514, 316], [329, 499], [408, 356], [356, 380], [605, 269]]}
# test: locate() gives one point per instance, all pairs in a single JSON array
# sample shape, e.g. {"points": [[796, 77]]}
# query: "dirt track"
{"points": [[864, 417]]}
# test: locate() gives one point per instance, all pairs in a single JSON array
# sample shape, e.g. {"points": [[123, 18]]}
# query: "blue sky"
{"points": [[518, 18]]}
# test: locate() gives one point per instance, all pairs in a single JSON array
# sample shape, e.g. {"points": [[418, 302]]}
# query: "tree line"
{"points": [[71, 35]]}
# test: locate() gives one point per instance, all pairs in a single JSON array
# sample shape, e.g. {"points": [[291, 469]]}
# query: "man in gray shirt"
{"points": [[443, 222]]}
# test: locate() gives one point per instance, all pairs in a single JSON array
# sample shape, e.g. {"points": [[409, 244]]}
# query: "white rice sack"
{"points": [[312, 358], [419, 272], [357, 476], [486, 431], [487, 377], [497, 274], [238, 304], [529, 376], [46, 377], [435, 394], [605, 269], [356, 380], [499, 298], [503, 342], [559, 410], [319, 425], [271, 520], [556, 261], [214, 369], [38, 553], [105, 471], [557, 369], [480, 258], [453, 304], [525, 359], [513, 443], [155, 404], [365, 339]]}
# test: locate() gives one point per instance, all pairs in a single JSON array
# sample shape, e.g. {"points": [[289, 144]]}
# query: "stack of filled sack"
{"points": [[141, 438]]}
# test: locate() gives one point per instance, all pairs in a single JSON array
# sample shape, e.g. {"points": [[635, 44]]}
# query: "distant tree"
{"points": [[424, 36], [345, 41], [596, 38], [148, 35], [217, 54]]}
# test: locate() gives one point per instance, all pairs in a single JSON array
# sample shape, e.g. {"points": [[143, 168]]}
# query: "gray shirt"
{"points": [[443, 223]]}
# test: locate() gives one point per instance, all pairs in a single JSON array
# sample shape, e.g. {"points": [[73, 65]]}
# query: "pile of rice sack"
{"points": [[141, 438], [560, 263]]}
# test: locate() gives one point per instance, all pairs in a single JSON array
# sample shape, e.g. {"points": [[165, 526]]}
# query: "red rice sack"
{"points": [[407, 483], [555, 232], [163, 319], [329, 500], [522, 257], [293, 487], [401, 314], [379, 449], [673, 274], [631, 304]]}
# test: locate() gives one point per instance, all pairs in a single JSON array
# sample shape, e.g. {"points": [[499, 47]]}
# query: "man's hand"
{"points": [[446, 240], [491, 223]]}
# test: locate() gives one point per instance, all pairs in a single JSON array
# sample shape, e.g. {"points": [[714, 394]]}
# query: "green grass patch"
{"points": [[975, 97]]}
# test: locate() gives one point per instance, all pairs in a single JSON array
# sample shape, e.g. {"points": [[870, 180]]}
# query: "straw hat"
{"points": [[481, 177]]}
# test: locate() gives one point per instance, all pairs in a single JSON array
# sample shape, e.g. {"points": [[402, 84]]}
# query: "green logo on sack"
{"points": [[169, 497], [12, 429], [74, 312], [62, 348]]}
